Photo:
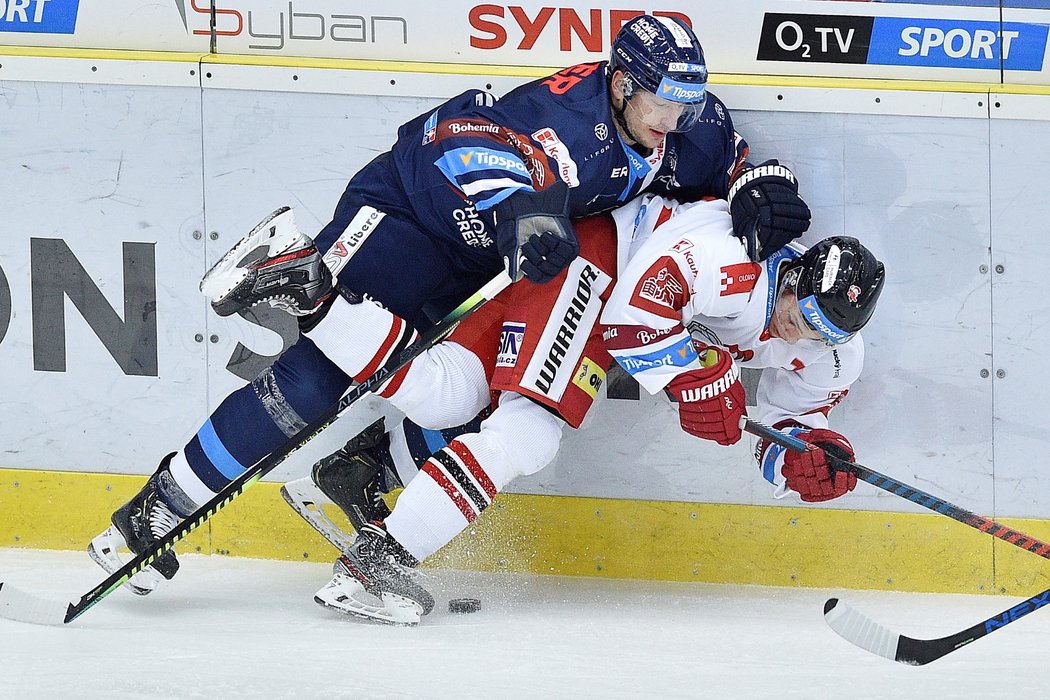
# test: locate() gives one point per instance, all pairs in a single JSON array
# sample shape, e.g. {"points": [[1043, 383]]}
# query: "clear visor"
{"points": [[663, 114]]}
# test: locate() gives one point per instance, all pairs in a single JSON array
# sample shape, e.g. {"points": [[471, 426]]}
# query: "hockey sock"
{"points": [[360, 337], [448, 493], [459, 481], [180, 488], [444, 387]]}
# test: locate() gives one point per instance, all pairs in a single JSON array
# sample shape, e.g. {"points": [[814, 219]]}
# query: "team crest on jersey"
{"points": [[739, 279], [661, 290], [510, 343]]}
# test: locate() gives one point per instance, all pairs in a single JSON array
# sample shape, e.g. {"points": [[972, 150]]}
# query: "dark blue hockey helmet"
{"points": [[662, 56], [838, 282]]}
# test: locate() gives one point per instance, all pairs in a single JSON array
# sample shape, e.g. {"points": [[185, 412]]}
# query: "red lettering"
{"points": [[572, 26], [570, 22], [220, 11], [562, 81], [678, 15], [618, 18], [531, 28], [477, 21]]}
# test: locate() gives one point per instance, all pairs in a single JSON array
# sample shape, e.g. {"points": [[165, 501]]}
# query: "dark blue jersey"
{"points": [[449, 167]]}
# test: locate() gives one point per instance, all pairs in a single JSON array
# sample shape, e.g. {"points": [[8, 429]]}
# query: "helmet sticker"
{"points": [[831, 268], [681, 37], [675, 91], [686, 68]]}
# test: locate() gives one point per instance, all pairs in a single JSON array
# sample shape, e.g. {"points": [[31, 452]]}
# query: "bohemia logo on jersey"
{"points": [[39, 16], [661, 290], [739, 279], [536, 166]]}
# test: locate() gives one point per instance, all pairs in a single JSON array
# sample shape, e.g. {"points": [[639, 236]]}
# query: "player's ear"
{"points": [[616, 84]]}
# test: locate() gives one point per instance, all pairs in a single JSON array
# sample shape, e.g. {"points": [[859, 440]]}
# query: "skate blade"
{"points": [[103, 551], [346, 595], [277, 232], [307, 500]]}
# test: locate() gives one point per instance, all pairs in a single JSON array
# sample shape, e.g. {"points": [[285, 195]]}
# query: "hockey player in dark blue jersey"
{"points": [[471, 187]]}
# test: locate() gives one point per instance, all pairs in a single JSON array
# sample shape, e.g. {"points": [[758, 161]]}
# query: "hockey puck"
{"points": [[464, 605]]}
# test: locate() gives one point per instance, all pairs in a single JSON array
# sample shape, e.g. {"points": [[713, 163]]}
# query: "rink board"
{"points": [[612, 538], [127, 178], [955, 41]]}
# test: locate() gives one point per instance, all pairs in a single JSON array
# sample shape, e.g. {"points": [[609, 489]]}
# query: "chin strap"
{"points": [[618, 114]]}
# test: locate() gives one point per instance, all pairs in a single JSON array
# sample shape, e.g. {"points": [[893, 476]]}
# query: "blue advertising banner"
{"points": [[905, 41], [39, 16]]}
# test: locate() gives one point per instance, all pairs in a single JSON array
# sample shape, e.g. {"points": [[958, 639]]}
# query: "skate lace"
{"points": [[161, 520], [284, 302]]}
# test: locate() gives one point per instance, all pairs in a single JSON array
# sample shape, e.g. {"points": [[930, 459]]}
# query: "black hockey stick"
{"points": [[864, 632], [19, 605], [859, 629]]}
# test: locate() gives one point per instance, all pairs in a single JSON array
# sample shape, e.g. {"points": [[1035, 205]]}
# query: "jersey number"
{"points": [[562, 81]]}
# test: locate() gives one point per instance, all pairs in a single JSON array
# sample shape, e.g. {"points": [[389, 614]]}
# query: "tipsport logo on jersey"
{"points": [[902, 41], [39, 16]]}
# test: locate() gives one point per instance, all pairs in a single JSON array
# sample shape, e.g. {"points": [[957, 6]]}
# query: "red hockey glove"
{"points": [[711, 400], [809, 472]]}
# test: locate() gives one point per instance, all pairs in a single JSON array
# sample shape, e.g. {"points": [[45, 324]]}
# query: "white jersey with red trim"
{"points": [[685, 281]]}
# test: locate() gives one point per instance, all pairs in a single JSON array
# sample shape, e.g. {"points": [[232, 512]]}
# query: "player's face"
{"points": [[788, 323], [651, 118]]}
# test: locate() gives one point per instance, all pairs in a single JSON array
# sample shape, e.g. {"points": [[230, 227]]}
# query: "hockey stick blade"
{"points": [[866, 633], [26, 608], [859, 629], [16, 604]]}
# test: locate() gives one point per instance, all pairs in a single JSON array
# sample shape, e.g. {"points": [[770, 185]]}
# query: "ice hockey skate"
{"points": [[274, 264], [354, 478], [374, 580], [137, 525]]}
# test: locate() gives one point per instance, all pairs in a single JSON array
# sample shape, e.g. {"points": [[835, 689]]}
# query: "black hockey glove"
{"points": [[767, 211], [534, 234]]}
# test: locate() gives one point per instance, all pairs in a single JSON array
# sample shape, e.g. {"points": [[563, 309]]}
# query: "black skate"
{"points": [[137, 525], [354, 478], [374, 580], [276, 264]]}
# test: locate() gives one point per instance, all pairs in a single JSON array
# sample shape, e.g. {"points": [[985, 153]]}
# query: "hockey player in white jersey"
{"points": [[689, 308]]}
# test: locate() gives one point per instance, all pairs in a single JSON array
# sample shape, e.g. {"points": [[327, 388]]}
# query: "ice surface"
{"points": [[232, 628]]}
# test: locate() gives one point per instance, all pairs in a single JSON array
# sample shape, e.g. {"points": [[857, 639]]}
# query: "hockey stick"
{"points": [[910, 493], [25, 607], [859, 629], [864, 632]]}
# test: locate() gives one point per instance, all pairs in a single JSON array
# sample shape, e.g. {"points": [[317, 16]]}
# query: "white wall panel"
{"points": [[1021, 324], [93, 168]]}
